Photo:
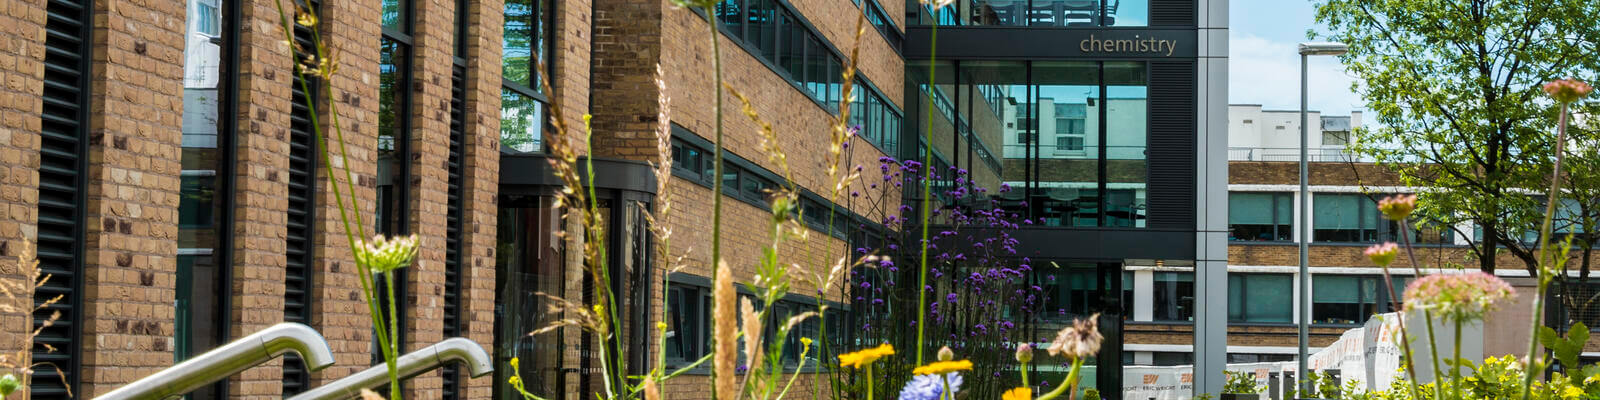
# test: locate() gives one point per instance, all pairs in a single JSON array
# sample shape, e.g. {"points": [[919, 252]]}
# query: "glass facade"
{"points": [[1066, 138], [529, 262], [205, 198], [1035, 13], [526, 33]]}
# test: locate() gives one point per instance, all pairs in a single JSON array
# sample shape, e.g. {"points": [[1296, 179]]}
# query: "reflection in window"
{"points": [[1350, 299], [1173, 296], [521, 122], [1038, 13], [524, 37], [395, 16], [392, 136], [528, 265], [1352, 218], [1260, 216], [1070, 291], [1260, 298], [203, 202]]}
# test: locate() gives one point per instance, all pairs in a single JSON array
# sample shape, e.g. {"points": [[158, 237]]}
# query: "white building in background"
{"points": [[1256, 134]]}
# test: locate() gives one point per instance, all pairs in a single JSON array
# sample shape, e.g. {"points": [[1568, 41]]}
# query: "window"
{"points": [[205, 198], [1260, 216], [1173, 296], [1070, 291], [780, 36], [1349, 218], [688, 318], [1260, 298], [394, 154], [1171, 358], [1350, 299], [1037, 13], [522, 101]]}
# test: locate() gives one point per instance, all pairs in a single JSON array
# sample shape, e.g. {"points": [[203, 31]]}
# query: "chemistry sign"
{"points": [[999, 42]]}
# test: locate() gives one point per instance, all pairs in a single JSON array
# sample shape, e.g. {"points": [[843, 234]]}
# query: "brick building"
{"points": [[161, 156]]}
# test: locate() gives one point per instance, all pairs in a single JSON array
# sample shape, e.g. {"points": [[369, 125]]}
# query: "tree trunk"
{"points": [[1486, 262]]}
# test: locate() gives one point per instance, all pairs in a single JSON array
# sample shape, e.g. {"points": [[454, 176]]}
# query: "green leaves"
{"points": [[1567, 350]]}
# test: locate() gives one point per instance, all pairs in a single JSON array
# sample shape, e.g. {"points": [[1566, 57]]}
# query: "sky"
{"points": [[1264, 68]]}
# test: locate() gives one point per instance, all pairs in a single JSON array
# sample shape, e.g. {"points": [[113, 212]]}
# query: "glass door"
{"points": [[528, 262]]}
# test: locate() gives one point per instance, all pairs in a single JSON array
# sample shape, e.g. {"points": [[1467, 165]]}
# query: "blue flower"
{"points": [[931, 387]]}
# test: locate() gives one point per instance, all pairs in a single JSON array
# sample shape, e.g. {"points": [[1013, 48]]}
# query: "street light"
{"points": [[1304, 301]]}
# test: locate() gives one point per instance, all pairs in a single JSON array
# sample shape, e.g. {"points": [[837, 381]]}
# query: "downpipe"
{"points": [[453, 350], [231, 358]]}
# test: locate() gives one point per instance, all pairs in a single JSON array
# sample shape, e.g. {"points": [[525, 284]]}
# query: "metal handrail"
{"points": [[231, 358], [453, 350]]}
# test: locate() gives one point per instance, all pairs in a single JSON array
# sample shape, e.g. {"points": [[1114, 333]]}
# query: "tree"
{"points": [[1454, 85]]}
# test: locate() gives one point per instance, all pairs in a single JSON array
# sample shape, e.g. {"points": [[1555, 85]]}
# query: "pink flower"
{"points": [[1567, 90], [1383, 254], [1461, 297], [1398, 207]]}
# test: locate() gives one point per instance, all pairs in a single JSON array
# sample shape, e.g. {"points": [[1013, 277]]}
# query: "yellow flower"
{"points": [[1020, 393], [943, 367], [866, 356]]}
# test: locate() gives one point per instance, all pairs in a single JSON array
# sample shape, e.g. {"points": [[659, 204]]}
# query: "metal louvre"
{"points": [[1172, 12], [453, 227], [303, 152], [62, 149], [1172, 144]]}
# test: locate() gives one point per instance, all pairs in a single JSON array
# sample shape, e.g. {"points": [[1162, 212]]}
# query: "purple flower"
{"points": [[931, 387], [951, 298]]}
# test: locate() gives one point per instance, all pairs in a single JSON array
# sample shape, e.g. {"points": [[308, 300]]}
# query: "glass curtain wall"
{"points": [[205, 194], [1035, 13], [1061, 143], [522, 102]]}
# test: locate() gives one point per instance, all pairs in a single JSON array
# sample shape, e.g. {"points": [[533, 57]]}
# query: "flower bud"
{"points": [[1025, 353], [1383, 254], [8, 384], [1567, 90], [1398, 207], [381, 255], [945, 354]]}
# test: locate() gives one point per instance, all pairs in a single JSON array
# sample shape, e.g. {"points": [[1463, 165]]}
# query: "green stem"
{"points": [[1072, 378], [870, 388], [946, 393], [1455, 369], [1534, 356], [927, 194], [716, 184], [1024, 374], [391, 352], [1433, 354]]}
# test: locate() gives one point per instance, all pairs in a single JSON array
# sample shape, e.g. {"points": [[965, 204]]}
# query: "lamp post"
{"points": [[1304, 300]]}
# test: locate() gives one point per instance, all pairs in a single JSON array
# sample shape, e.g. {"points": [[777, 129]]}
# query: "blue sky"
{"points": [[1264, 68]]}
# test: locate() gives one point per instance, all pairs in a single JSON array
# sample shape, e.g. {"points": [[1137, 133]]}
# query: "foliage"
{"points": [[1454, 87], [1566, 350], [1241, 383]]}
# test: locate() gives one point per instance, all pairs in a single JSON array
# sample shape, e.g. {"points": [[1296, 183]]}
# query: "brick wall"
{"points": [[481, 180], [352, 31], [22, 39], [261, 189], [1288, 173], [131, 225]]}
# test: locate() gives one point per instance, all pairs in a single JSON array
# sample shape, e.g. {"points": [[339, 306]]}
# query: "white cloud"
{"points": [[1267, 72]]}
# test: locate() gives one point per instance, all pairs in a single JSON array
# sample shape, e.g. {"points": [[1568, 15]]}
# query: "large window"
{"points": [[1038, 13], [1353, 218], [394, 153], [1260, 298], [522, 102], [1173, 297], [201, 300], [689, 312], [1072, 135], [1351, 299], [783, 38], [528, 263], [1260, 216]]}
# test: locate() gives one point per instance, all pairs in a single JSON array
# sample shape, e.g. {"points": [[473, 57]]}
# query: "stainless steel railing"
{"points": [[227, 360], [453, 350]]}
